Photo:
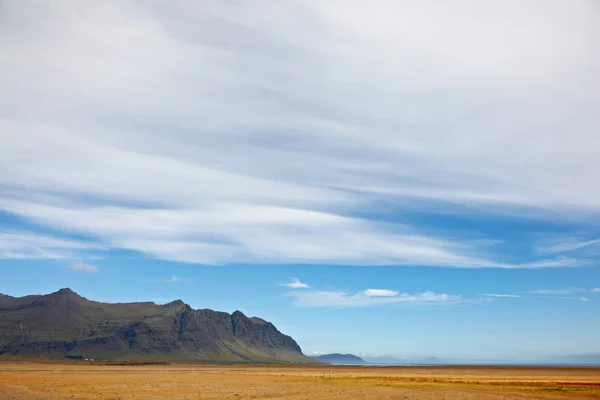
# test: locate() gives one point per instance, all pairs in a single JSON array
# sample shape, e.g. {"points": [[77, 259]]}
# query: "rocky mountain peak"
{"points": [[66, 292], [176, 303], [63, 296]]}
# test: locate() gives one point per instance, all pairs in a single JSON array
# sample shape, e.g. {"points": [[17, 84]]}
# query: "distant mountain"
{"points": [[65, 324], [337, 358]]}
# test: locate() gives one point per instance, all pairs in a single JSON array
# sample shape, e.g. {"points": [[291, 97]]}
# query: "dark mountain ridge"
{"points": [[65, 324]]}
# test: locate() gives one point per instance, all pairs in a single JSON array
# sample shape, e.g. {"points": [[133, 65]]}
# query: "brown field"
{"points": [[27, 381]]}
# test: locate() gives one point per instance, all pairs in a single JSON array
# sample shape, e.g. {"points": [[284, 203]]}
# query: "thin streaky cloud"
{"points": [[342, 299], [566, 291], [175, 279], [559, 262], [501, 295], [380, 293], [564, 246], [90, 269], [295, 284], [553, 291], [269, 234], [31, 245], [583, 299]]}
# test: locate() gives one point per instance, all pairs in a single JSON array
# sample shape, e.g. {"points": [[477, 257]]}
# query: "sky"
{"points": [[408, 178]]}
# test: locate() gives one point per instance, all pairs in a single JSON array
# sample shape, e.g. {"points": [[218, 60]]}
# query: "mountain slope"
{"points": [[64, 323], [337, 358]]}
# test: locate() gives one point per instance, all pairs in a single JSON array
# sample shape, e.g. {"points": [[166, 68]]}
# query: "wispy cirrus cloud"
{"points": [[233, 232], [565, 291], [565, 245], [501, 295], [380, 293], [559, 262], [295, 284], [558, 292], [227, 233], [409, 111], [341, 299], [28, 245], [90, 269], [175, 279], [171, 279]]}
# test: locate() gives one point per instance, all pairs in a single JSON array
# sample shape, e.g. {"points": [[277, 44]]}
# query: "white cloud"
{"points": [[327, 114], [295, 284], [559, 262], [565, 291], [380, 293], [323, 298], [501, 295], [27, 245], [90, 269], [583, 299], [171, 279], [565, 245], [554, 291], [252, 233], [230, 232]]}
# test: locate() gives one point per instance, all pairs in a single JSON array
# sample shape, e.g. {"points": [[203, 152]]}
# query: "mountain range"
{"points": [[64, 324]]}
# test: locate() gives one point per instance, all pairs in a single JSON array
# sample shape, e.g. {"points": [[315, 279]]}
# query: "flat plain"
{"points": [[30, 381]]}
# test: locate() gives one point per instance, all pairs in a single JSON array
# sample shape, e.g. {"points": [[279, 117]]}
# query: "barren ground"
{"points": [[26, 381]]}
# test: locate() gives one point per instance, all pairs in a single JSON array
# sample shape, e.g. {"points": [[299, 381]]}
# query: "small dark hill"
{"points": [[337, 358]]}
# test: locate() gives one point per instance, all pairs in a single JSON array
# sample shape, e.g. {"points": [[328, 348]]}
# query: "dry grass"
{"points": [[54, 382]]}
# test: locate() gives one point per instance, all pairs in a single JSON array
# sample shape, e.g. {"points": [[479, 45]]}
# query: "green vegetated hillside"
{"points": [[65, 324]]}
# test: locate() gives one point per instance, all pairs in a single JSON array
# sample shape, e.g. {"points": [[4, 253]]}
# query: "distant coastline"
{"points": [[477, 364]]}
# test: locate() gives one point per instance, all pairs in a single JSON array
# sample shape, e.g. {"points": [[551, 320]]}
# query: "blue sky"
{"points": [[408, 179]]}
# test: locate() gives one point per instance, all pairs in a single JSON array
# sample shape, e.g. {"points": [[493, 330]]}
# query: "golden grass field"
{"points": [[27, 381]]}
